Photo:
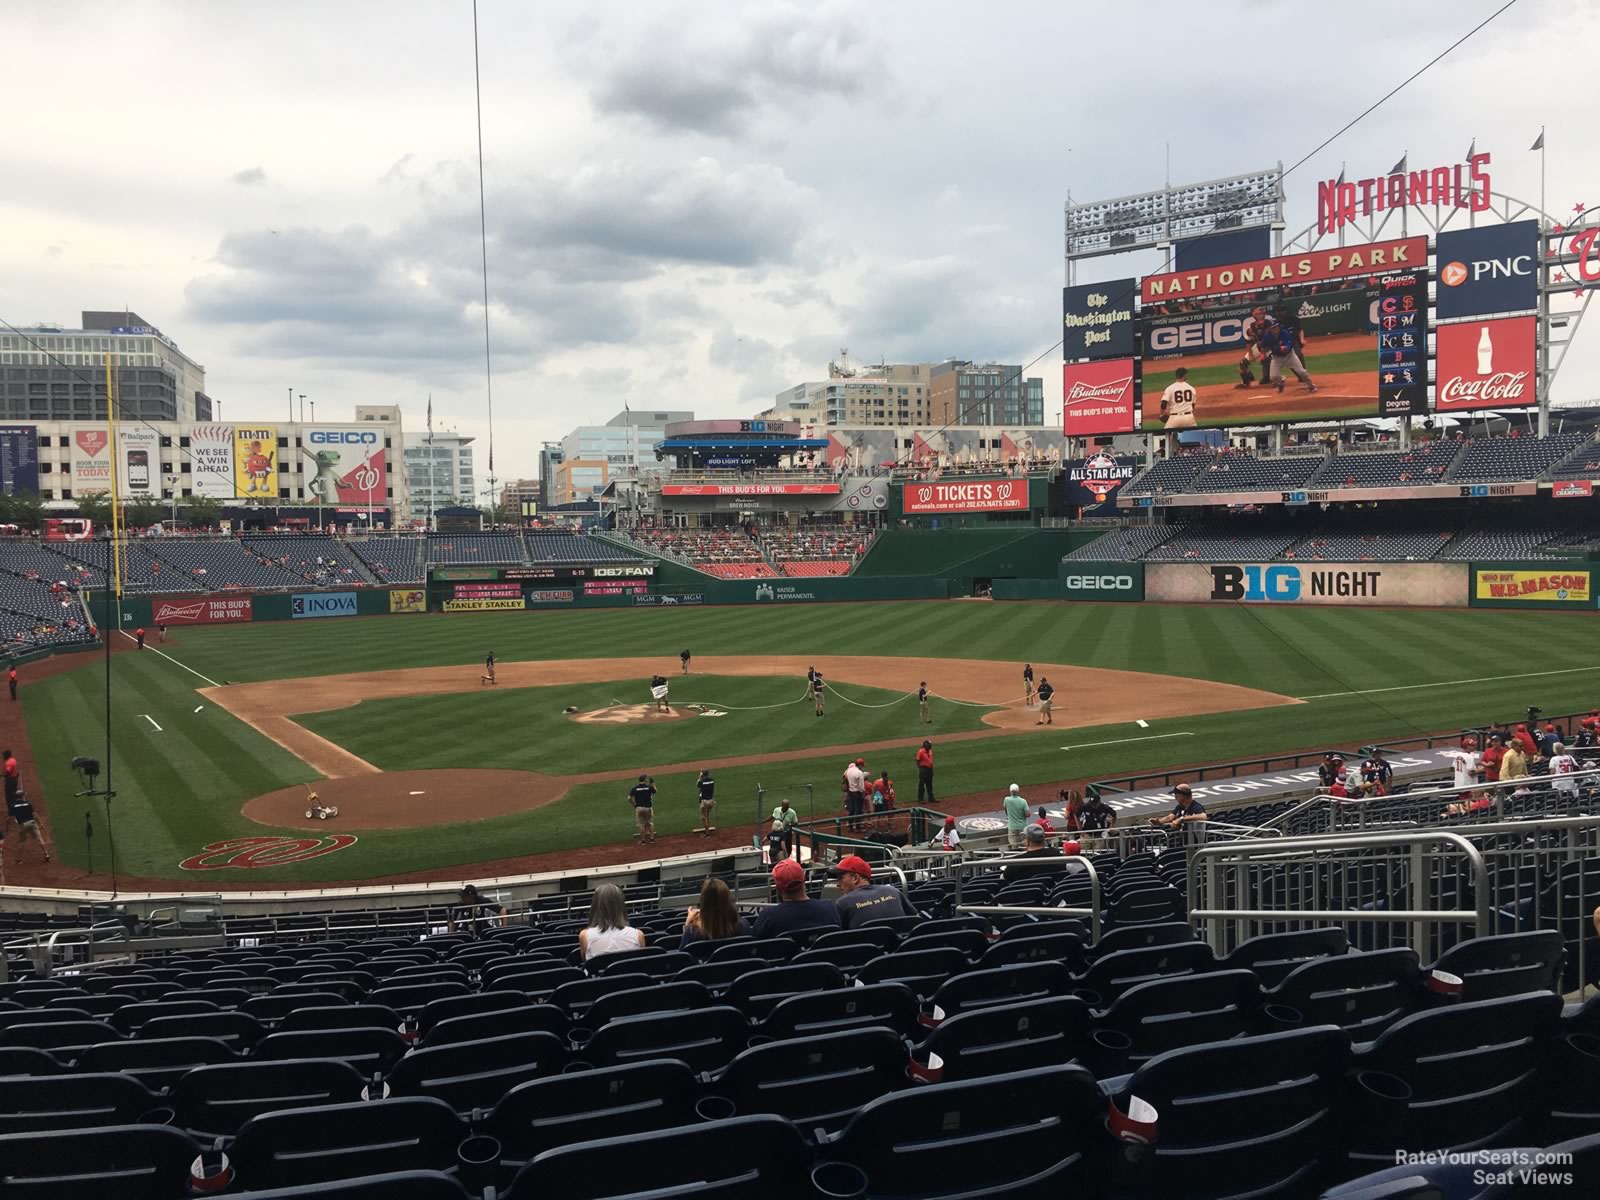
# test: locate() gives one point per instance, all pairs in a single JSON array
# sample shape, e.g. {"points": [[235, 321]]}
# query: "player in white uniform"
{"points": [[1177, 402], [1251, 332]]}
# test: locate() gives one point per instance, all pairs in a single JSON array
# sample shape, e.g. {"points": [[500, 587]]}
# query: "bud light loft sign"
{"points": [[1490, 269], [1485, 364], [323, 604]]}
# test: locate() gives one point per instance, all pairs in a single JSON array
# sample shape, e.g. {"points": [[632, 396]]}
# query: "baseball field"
{"points": [[217, 734], [1343, 366]]}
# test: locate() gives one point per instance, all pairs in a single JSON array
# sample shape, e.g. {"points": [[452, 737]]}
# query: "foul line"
{"points": [[152, 721], [152, 650], [1120, 741], [1411, 687]]}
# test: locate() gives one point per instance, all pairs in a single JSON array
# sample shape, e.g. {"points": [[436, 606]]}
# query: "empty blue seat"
{"points": [[923, 971], [972, 990], [339, 1016], [156, 1062], [1040, 1129], [1506, 964], [1110, 975], [1045, 945], [368, 1049], [215, 1101], [705, 1038], [469, 1075], [756, 993], [1273, 955], [1006, 1037], [675, 996], [658, 964], [346, 1141], [1135, 937], [239, 1031], [530, 1018], [816, 1082], [637, 1098], [80, 1101], [128, 1162], [891, 1005], [1362, 993], [1165, 1014]]}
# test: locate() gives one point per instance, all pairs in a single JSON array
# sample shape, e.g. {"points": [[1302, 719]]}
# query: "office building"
{"points": [[591, 456], [966, 393], [439, 473], [856, 394], [52, 373]]}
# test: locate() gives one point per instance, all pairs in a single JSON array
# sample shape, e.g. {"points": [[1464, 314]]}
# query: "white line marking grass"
{"points": [[1412, 687], [1122, 741], [152, 721]]}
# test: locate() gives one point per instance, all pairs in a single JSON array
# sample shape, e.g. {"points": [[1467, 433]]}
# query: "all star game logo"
{"points": [[1100, 476]]}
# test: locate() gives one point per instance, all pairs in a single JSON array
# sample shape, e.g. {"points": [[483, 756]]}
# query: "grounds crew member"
{"points": [[816, 690], [138, 635], [1027, 685], [707, 788], [922, 702], [11, 679], [643, 798], [925, 773], [862, 902], [1045, 692], [488, 669]]}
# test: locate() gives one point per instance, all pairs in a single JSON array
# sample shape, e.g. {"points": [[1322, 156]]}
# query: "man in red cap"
{"points": [[862, 902], [794, 909]]}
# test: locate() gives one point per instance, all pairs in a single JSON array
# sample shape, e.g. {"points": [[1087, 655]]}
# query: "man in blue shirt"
{"points": [[1187, 810], [794, 909], [1278, 341]]}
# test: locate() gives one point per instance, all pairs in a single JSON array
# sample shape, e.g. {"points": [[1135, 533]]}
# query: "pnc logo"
{"points": [[1453, 274]]}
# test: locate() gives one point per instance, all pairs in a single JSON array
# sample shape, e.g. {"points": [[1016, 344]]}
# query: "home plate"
{"points": [[417, 793]]}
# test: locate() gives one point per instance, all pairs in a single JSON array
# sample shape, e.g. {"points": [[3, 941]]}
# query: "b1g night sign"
{"points": [[1461, 185]]}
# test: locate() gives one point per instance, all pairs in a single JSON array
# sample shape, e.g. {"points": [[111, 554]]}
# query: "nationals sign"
{"points": [[1486, 364], [1310, 266], [210, 611], [750, 489], [1099, 397], [1009, 495]]}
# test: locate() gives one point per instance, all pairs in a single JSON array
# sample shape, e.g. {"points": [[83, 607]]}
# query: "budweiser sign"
{"points": [[1486, 364], [212, 610], [1099, 397], [1010, 495], [750, 489]]}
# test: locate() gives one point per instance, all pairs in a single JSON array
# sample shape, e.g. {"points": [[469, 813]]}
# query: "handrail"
{"points": [[960, 867], [1360, 804]]}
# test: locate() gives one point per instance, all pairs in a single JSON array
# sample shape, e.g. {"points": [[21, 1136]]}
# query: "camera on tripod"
{"points": [[1533, 715]]}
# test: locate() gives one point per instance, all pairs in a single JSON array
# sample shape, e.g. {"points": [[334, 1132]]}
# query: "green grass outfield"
{"points": [[182, 787]]}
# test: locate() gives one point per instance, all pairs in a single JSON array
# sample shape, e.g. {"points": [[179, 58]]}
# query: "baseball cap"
{"points": [[1467, 741], [861, 762], [853, 864], [949, 821], [788, 875], [1014, 789], [1071, 848], [926, 744]]}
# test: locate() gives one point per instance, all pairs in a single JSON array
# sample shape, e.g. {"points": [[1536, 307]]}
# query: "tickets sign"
{"points": [[1005, 495]]}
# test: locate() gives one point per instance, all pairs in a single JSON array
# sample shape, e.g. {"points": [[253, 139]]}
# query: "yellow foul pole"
{"points": [[116, 500]]}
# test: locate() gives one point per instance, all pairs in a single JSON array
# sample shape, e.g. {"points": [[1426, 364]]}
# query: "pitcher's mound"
{"points": [[628, 714]]}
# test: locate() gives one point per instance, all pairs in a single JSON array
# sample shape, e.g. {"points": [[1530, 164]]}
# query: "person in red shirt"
{"points": [[925, 773], [1526, 742], [11, 681], [1042, 821], [1071, 810], [1491, 758], [138, 636], [13, 776], [886, 786]]}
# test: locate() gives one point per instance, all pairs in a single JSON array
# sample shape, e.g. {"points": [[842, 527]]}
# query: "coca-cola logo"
{"points": [[1098, 391], [1503, 386]]}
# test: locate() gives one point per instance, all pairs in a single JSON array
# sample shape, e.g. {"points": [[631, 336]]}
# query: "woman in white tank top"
{"points": [[608, 931]]}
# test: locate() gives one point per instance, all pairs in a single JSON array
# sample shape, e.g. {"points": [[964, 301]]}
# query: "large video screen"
{"points": [[1332, 350]]}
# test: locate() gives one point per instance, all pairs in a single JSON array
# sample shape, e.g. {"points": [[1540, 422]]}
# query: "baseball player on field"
{"points": [[1177, 401], [1280, 343], [1253, 353]]}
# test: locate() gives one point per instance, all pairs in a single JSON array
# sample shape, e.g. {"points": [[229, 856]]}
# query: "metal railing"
{"points": [[1544, 795], [961, 868]]}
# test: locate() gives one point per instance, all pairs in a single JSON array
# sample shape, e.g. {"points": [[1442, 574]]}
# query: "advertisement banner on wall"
{"points": [[1309, 266], [1009, 495], [141, 461], [344, 465], [1535, 587], [1486, 364], [19, 459], [1571, 489], [322, 604], [91, 459], [408, 600], [1097, 319], [1420, 585], [1099, 397], [1095, 481], [1488, 269], [255, 462], [213, 610], [211, 461], [750, 489], [1122, 581], [487, 604]]}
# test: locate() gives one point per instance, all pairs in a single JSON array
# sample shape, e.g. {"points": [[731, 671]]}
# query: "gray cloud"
{"points": [[249, 176], [717, 80]]}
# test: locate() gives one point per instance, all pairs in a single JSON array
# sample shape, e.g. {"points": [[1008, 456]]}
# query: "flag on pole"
{"points": [[1538, 143], [1472, 149], [1399, 167], [430, 414]]}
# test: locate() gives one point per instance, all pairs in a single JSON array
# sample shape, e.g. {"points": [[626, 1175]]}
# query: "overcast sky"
{"points": [[689, 205]]}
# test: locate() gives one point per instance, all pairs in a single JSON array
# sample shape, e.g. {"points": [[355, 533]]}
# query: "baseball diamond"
{"points": [[436, 775]]}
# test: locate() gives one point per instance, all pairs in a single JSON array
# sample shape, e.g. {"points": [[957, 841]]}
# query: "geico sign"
{"points": [[1201, 333], [1099, 583], [342, 437], [1454, 274]]}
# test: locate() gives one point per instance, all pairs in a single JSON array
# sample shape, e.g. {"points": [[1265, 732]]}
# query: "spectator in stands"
{"points": [[948, 838], [886, 786], [1016, 806], [1465, 765], [1042, 820], [1073, 853], [784, 819], [1525, 742], [1185, 811], [1562, 767], [862, 902], [472, 913], [1326, 771], [854, 784], [716, 916], [794, 909], [1489, 761], [1097, 814], [1036, 855], [608, 931], [1514, 762], [925, 773], [1376, 774], [1071, 810], [1547, 740]]}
